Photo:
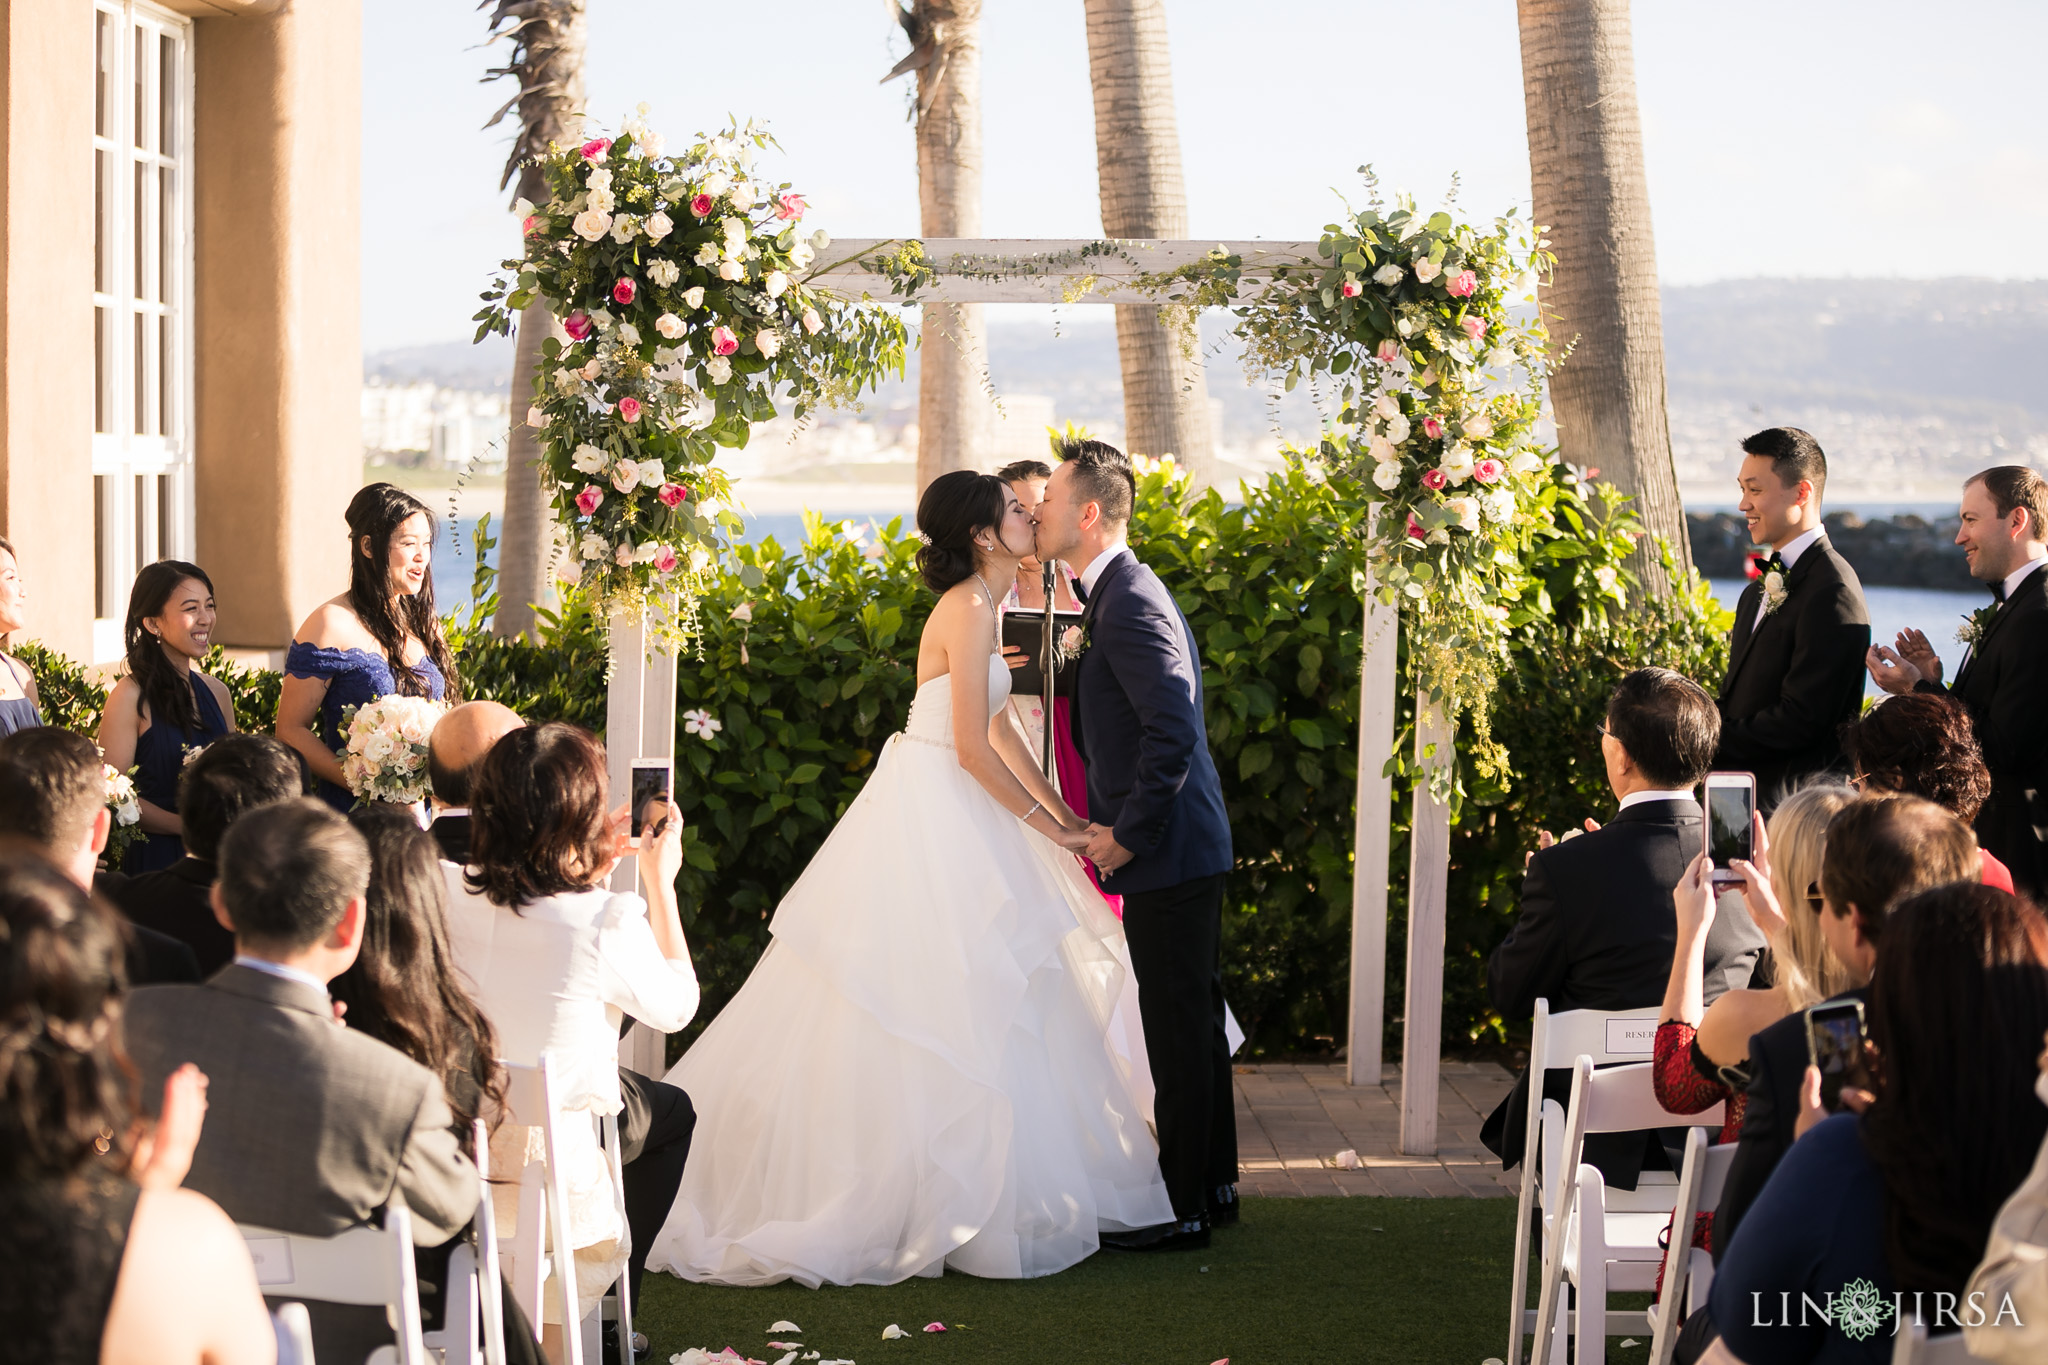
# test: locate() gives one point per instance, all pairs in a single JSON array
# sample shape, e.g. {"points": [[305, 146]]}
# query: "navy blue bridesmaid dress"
{"points": [[354, 676], [160, 755]]}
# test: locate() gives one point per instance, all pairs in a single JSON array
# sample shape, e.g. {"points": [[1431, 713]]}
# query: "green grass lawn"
{"points": [[1303, 1281]]}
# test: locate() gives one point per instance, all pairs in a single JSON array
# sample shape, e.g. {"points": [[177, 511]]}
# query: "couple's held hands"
{"points": [[1104, 851], [1911, 660]]}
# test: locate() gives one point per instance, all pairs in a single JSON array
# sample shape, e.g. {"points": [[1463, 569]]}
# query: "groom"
{"points": [[1162, 839]]}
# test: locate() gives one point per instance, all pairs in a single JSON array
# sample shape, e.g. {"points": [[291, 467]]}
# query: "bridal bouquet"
{"points": [[384, 757], [678, 285], [126, 807]]}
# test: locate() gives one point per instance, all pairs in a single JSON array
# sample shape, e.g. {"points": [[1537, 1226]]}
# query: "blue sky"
{"points": [[1818, 138]]}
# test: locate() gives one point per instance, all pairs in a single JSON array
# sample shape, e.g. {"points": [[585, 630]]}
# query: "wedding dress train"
{"points": [[917, 1073]]}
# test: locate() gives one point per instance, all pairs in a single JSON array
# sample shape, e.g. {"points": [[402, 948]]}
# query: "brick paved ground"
{"points": [[1293, 1120]]}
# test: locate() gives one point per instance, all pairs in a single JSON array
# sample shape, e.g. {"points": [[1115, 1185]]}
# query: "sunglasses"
{"points": [[1814, 900]]}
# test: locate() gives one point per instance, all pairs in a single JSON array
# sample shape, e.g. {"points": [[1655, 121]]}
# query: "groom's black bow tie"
{"points": [[1080, 593], [1998, 591], [1771, 563]]}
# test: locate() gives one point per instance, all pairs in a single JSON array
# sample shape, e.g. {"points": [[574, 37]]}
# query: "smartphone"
{"points": [[1834, 1044], [654, 781], [1730, 822]]}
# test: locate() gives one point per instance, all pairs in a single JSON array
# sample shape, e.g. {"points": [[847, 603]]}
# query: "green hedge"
{"points": [[822, 673]]}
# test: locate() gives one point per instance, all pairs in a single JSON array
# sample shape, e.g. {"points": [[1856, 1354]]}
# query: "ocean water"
{"points": [[1936, 612]]}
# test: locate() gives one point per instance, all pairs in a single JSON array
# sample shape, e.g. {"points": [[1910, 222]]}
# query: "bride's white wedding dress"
{"points": [[916, 1074]]}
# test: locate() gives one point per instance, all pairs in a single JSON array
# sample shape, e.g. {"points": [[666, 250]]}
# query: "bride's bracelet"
{"points": [[1036, 806]]}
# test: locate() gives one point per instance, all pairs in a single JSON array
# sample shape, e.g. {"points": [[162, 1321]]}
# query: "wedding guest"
{"points": [[227, 778], [559, 962], [53, 794], [2015, 1268], [1901, 1195], [163, 709], [1795, 667], [457, 745], [1923, 745], [18, 702], [312, 1128], [2004, 536], [379, 637], [104, 1260], [1597, 928]]}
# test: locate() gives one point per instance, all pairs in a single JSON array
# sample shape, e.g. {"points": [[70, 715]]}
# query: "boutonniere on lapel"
{"points": [[1772, 572], [1976, 623], [1073, 642]]}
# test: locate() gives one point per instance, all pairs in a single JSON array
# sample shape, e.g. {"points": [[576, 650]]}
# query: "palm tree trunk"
{"points": [[955, 418], [548, 42], [1137, 159], [1586, 168]]}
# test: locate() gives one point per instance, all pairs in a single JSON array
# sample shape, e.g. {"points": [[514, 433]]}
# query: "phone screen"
{"points": [[1729, 810], [651, 787], [1834, 1043]]}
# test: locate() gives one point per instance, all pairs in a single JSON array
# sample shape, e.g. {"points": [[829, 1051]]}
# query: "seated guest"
{"points": [[18, 700], [53, 793], [1702, 1052], [1597, 929], [457, 745], [102, 1257], [1902, 1195], [1879, 852], [311, 1128], [229, 776], [558, 962], [2015, 1268], [1923, 744]]}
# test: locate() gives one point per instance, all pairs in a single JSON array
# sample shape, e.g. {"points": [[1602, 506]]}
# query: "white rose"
{"points": [[663, 273], [707, 254], [742, 196], [767, 342], [629, 335], [602, 319], [694, 296], [601, 201], [591, 371], [775, 284], [1479, 427], [593, 546], [669, 325], [716, 183], [1466, 510], [522, 208], [600, 179], [1383, 450], [1525, 462], [1387, 475], [569, 571], [1386, 406], [659, 225], [587, 459], [645, 552], [735, 230], [1388, 275], [128, 813], [718, 369], [1457, 463], [1499, 504], [812, 322], [567, 382], [536, 418], [665, 356], [626, 476], [591, 225], [624, 554], [1427, 270], [650, 145], [1398, 429], [801, 255], [1404, 326], [652, 475], [731, 270]]}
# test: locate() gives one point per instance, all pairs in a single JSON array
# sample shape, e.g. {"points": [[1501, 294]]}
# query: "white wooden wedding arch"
{"points": [[641, 703]]}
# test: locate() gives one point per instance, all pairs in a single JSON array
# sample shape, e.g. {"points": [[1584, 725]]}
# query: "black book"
{"points": [[1026, 630]]}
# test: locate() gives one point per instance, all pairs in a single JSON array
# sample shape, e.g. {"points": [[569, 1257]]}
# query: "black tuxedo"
{"points": [[1795, 675], [452, 833], [2004, 685], [178, 901], [1597, 931], [1140, 725]]}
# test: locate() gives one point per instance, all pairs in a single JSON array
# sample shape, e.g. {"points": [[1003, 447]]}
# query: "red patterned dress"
{"points": [[1687, 1082]]}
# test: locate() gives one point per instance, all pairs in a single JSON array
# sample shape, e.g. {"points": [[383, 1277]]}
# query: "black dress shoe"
{"points": [[1189, 1236], [1223, 1207]]}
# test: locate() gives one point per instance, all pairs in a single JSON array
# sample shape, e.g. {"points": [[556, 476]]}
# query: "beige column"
{"points": [[46, 345], [277, 326]]}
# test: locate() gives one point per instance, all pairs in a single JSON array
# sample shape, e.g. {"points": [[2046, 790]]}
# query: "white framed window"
{"points": [[142, 310]]}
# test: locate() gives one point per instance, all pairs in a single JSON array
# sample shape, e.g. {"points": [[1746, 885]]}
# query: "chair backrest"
{"points": [[293, 1326], [1604, 1035], [368, 1266], [491, 1301], [1621, 1099], [530, 1100]]}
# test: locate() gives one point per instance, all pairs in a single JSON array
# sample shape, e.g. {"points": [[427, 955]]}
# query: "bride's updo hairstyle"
{"points": [[952, 510]]}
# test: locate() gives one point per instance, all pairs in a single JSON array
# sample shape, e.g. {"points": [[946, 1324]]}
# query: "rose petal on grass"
{"points": [[1347, 1160], [785, 1345], [786, 1359], [892, 1332], [783, 1326], [935, 1327], [1631, 1342]]}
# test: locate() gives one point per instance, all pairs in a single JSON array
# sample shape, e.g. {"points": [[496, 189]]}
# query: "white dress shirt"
{"points": [[2019, 576], [1093, 573], [278, 969], [1794, 548], [1639, 798]]}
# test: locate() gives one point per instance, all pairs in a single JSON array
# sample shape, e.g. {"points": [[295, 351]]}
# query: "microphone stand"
{"points": [[1048, 661]]}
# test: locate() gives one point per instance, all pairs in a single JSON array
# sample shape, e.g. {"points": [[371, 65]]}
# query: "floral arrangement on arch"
{"points": [[677, 282]]}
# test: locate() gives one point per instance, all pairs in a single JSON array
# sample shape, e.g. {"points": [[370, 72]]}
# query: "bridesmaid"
{"points": [[379, 637], [18, 709], [163, 708]]}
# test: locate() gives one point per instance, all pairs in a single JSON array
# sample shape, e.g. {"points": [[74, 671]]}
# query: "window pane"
{"points": [[105, 91], [142, 502], [139, 403], [139, 286], [139, 64], [102, 419], [164, 528], [101, 265], [166, 376], [167, 219], [99, 548], [167, 96]]}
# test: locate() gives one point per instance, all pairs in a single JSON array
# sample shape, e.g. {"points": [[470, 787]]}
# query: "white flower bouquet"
{"points": [[125, 805], [384, 757]]}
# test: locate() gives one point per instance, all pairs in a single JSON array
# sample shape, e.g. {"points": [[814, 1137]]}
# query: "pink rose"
{"points": [[629, 408], [1352, 289], [789, 206], [577, 325], [1475, 327], [587, 501], [595, 149], [723, 342], [1488, 471], [673, 495], [1415, 531], [624, 291], [532, 221], [1389, 351], [665, 560], [1463, 285], [702, 204], [1433, 428], [1435, 480]]}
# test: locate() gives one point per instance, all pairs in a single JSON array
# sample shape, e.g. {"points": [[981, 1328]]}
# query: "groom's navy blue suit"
{"points": [[1138, 722]]}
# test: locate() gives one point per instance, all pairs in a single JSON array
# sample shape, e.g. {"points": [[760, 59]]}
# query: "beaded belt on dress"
{"points": [[920, 739]]}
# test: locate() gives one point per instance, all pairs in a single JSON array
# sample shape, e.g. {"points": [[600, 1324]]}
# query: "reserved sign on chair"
{"points": [[1632, 1036]]}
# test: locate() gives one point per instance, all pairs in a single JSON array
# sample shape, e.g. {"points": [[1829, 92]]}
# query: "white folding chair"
{"points": [[368, 1266], [473, 1320], [1602, 1239], [609, 1127], [294, 1329], [1912, 1346], [1558, 1040], [1689, 1270]]}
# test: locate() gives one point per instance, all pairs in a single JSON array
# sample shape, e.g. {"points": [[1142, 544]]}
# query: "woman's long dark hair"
{"points": [[67, 1090], [1958, 1005], [953, 508], [538, 825], [403, 989], [166, 687], [376, 511]]}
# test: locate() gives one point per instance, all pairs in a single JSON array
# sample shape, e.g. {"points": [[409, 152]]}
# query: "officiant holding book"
{"points": [[1795, 662]]}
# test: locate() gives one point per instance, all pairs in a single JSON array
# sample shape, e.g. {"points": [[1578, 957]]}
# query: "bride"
{"points": [[916, 1074]]}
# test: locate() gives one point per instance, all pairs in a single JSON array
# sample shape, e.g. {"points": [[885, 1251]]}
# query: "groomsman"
{"points": [[2004, 676], [1795, 664]]}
